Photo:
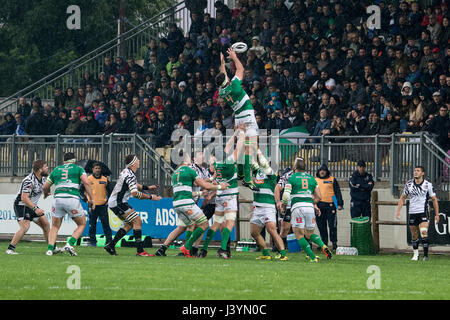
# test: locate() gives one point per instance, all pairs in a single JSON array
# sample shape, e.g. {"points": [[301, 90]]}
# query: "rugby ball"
{"points": [[239, 47]]}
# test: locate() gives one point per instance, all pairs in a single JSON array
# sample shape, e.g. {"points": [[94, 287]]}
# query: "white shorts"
{"points": [[263, 215], [250, 123], [226, 203], [187, 215], [69, 206], [303, 218]]}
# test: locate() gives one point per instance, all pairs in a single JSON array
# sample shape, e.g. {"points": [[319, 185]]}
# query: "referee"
{"points": [[420, 191], [101, 189]]}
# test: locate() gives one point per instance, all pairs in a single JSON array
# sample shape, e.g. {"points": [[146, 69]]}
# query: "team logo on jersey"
{"points": [[114, 222], [259, 181], [299, 219], [189, 212]]}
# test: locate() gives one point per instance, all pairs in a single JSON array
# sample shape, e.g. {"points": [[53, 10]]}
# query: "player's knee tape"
{"points": [[424, 232], [218, 219], [230, 215], [131, 217]]}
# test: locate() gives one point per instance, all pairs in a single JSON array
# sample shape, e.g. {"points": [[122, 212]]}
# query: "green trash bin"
{"points": [[361, 236]]}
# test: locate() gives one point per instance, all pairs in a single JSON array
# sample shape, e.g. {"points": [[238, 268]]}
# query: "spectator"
{"points": [[24, 108], [361, 184], [62, 122], [323, 126], [8, 127], [19, 130], [74, 126], [141, 124], [440, 125], [125, 123], [111, 125], [35, 123], [329, 204], [90, 126]]}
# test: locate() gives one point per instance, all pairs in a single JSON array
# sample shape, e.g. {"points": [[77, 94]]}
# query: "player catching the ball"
{"points": [[236, 97]]}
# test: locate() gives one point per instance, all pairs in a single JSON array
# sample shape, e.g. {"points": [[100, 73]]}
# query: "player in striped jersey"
{"points": [[26, 204], [66, 200], [183, 180], [304, 194], [226, 200], [419, 191], [125, 188], [264, 213], [244, 113], [286, 216]]}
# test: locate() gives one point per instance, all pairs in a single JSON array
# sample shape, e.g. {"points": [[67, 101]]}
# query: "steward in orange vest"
{"points": [[331, 193]]}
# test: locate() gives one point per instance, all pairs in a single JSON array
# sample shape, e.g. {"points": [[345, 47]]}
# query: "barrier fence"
{"points": [[388, 158]]}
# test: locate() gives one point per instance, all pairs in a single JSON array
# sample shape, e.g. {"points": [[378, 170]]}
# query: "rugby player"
{"points": [[125, 188], [419, 191], [66, 201], [26, 204], [304, 193]]}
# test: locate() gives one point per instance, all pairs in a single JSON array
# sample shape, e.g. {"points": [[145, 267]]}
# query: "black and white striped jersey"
{"points": [[419, 194], [33, 187], [282, 183], [202, 173], [126, 183]]}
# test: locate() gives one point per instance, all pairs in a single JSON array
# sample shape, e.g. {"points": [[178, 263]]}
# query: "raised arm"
{"points": [[239, 67]]}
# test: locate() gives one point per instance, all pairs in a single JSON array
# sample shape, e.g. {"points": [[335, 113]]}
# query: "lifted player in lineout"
{"points": [[236, 97], [304, 194]]}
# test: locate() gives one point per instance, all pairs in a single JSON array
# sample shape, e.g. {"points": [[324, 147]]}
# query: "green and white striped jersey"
{"points": [[303, 186], [236, 98], [266, 184], [226, 172], [67, 179], [182, 182]]}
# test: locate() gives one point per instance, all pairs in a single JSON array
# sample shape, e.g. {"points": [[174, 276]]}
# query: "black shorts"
{"points": [[121, 209], [287, 216], [417, 218], [25, 213], [208, 210]]}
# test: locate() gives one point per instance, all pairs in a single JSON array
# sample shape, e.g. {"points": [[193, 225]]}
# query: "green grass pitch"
{"points": [[33, 275]]}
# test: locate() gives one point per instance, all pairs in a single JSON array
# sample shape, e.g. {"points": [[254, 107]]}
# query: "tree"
{"points": [[36, 41]]}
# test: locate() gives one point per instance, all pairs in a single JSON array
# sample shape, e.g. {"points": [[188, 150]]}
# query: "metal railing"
{"points": [[17, 154], [131, 43], [388, 158]]}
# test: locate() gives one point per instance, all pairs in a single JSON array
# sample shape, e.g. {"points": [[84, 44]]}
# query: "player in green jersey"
{"points": [[183, 181], [236, 97], [304, 194], [67, 179], [264, 213]]}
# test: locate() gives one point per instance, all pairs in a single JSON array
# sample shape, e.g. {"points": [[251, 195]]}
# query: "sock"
{"points": [[304, 244], [228, 244], [247, 169], [11, 247], [119, 235], [51, 247], [209, 235], [265, 252], [284, 241], [188, 235], [72, 241], [415, 244], [283, 252], [240, 170], [138, 239], [195, 235], [316, 239], [425, 246], [225, 236]]}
